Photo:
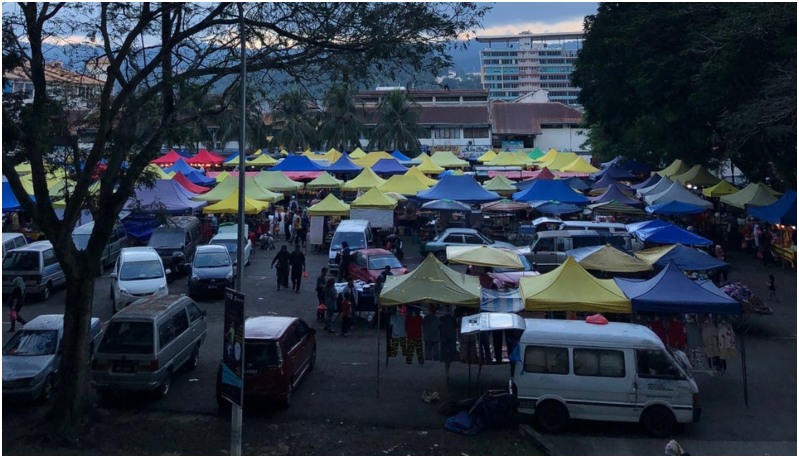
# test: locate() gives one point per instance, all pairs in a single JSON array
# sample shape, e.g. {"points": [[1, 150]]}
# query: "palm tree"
{"points": [[295, 123], [341, 127], [397, 128]]}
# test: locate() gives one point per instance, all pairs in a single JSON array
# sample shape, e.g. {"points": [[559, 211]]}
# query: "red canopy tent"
{"points": [[205, 158], [545, 174], [188, 185], [167, 159]]}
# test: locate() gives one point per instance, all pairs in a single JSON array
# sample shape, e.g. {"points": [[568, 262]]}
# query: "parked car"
{"points": [[138, 273], [146, 343], [509, 278], [176, 241], [32, 356], [37, 265], [278, 352], [13, 240], [212, 271], [367, 264], [548, 249], [457, 236], [230, 240], [116, 242]]}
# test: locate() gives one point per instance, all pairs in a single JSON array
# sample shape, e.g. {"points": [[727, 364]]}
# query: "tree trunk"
{"points": [[71, 400]]}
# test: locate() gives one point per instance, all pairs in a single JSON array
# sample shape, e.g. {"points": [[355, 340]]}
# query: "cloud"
{"points": [[68, 40], [569, 25]]}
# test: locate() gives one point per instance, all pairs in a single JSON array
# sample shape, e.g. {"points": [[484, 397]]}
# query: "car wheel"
{"points": [[47, 389], [551, 416], [45, 293], [163, 388], [194, 361], [442, 256], [658, 421]]}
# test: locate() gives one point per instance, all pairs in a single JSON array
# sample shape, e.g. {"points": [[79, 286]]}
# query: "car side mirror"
{"points": [[113, 275]]}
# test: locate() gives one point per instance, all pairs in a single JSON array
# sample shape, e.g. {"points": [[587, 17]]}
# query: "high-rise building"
{"points": [[512, 66]]}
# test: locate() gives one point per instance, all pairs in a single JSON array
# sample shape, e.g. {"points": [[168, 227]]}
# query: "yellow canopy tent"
{"points": [[263, 160], [325, 180], [332, 155], [406, 184], [560, 161], [232, 161], [608, 259], [365, 180], [484, 255], [276, 181], [373, 198], [432, 282], [651, 255], [510, 159], [371, 159], [754, 195], [500, 184], [329, 206], [23, 168], [257, 152], [252, 190], [448, 160], [697, 176], [231, 205], [677, 167], [159, 172], [427, 165], [424, 179], [222, 176], [283, 152], [357, 153], [548, 157], [722, 188], [579, 166], [93, 189], [571, 288], [488, 156]]}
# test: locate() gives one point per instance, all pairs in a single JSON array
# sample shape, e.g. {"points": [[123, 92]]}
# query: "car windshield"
{"points": [[32, 343], [21, 260], [354, 239], [127, 337], [167, 239], [523, 260], [81, 241], [261, 354], [141, 270], [211, 260], [380, 262], [232, 245]]}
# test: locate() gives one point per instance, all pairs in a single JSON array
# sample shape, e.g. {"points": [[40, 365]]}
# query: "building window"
{"points": [[448, 133], [448, 99], [475, 132], [425, 132]]}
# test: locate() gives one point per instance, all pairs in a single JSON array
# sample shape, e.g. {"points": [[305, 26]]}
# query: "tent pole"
{"points": [[377, 310], [743, 369]]}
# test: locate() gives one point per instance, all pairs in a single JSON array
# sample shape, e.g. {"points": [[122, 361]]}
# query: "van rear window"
{"points": [[128, 337], [546, 360], [261, 355], [21, 260], [599, 363]]}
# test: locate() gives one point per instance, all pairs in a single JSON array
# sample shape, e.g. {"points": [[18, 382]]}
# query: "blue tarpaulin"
{"points": [[556, 190], [388, 167], [10, 202], [344, 165], [458, 187], [400, 157], [297, 164], [671, 291], [503, 301], [782, 211], [662, 232], [674, 208]]}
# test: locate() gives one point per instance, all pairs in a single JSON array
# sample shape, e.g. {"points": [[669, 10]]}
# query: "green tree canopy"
{"points": [[295, 123], [704, 82], [397, 126], [341, 128]]}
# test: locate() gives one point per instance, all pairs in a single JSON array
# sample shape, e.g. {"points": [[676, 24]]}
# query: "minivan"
{"points": [[278, 352], [116, 242], [176, 241], [37, 265], [138, 273], [13, 240], [145, 344], [548, 248], [613, 372], [617, 229], [358, 235]]}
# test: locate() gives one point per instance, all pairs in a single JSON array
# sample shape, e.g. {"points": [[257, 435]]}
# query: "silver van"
{"points": [[37, 265], [358, 235], [116, 242], [616, 229], [146, 343], [13, 240]]}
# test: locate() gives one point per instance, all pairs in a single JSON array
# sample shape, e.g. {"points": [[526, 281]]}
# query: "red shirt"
{"points": [[413, 326], [345, 309]]}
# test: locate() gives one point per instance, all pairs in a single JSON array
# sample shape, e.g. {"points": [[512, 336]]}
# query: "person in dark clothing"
{"points": [[344, 264], [282, 261], [297, 262], [331, 297], [15, 303], [320, 286], [287, 225], [385, 273]]}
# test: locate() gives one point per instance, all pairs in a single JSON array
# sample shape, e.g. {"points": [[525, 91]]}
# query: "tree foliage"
{"points": [[163, 59], [295, 121], [341, 128], [704, 82], [397, 126]]}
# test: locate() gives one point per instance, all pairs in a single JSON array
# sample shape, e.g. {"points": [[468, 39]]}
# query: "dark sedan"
{"points": [[212, 271]]}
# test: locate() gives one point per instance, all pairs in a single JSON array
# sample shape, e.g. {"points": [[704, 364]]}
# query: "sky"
{"points": [[536, 17]]}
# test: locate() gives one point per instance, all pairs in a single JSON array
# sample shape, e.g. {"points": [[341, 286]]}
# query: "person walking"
{"points": [[297, 263], [413, 333], [287, 217], [772, 290], [281, 259], [15, 303], [320, 286], [331, 298], [346, 313], [344, 263], [431, 333]]}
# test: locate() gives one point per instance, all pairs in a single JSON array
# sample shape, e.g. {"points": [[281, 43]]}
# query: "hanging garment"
{"points": [[710, 338], [726, 339], [676, 334]]}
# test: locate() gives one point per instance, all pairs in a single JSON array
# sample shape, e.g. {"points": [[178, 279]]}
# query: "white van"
{"points": [[37, 264], [614, 228], [613, 372], [13, 240], [356, 232], [138, 272], [117, 240]]}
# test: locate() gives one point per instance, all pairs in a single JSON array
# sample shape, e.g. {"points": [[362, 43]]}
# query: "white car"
{"points": [[231, 242], [138, 272]]}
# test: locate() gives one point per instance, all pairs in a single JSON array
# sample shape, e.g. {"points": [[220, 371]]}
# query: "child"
{"points": [[346, 312], [772, 289]]}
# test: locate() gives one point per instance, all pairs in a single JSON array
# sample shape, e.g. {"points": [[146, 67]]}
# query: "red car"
{"points": [[367, 264]]}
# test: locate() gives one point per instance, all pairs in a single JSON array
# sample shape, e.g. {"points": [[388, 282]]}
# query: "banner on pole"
{"points": [[233, 351]]}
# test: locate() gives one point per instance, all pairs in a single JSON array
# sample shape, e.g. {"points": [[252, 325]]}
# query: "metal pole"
{"points": [[236, 411], [743, 369]]}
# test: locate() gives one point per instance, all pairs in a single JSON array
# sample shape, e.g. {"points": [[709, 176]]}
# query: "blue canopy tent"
{"points": [[297, 164], [607, 182], [635, 166], [10, 202], [651, 181], [185, 153], [671, 292], [401, 157], [574, 183], [554, 208], [166, 194], [782, 211], [388, 167], [344, 166], [664, 233], [652, 223], [614, 172], [181, 166], [458, 187], [199, 179], [687, 258], [550, 190], [613, 161], [674, 208], [614, 193]]}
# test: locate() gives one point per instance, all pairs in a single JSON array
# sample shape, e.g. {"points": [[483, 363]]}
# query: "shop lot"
{"points": [[343, 388]]}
